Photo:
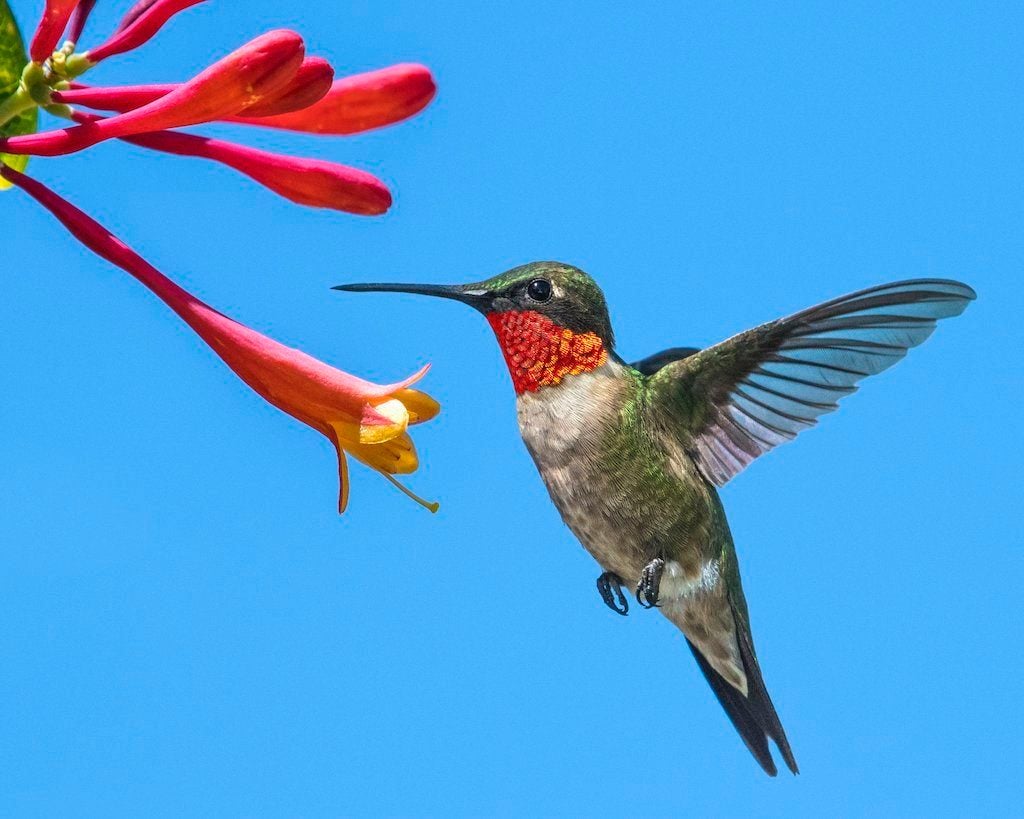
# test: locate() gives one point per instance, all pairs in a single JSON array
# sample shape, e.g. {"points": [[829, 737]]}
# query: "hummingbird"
{"points": [[632, 454]]}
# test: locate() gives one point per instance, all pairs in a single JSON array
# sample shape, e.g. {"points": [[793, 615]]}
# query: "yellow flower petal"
{"points": [[421, 407], [394, 457]]}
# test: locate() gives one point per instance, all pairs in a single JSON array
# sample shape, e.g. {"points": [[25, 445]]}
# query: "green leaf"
{"points": [[12, 61]]}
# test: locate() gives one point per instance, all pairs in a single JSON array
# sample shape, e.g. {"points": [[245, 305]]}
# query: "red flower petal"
{"points": [[257, 70], [140, 29], [309, 85], [361, 102], [79, 19], [51, 27], [133, 14], [312, 182], [113, 98]]}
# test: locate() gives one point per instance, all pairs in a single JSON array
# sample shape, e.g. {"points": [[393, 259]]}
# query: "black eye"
{"points": [[539, 290]]}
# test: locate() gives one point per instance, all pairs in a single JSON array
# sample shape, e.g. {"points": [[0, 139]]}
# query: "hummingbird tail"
{"points": [[754, 715]]}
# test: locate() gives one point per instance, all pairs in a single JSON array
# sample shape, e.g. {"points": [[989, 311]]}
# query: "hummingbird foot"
{"points": [[650, 583], [609, 585]]}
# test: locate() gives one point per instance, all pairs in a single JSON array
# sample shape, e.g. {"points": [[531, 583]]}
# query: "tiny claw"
{"points": [[650, 583], [609, 585]]}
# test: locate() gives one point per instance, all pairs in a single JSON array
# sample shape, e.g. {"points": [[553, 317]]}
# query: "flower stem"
{"points": [[15, 104]]}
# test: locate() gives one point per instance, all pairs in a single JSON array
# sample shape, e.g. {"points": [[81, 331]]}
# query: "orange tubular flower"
{"points": [[351, 105], [309, 85], [369, 421], [360, 103], [315, 183]]}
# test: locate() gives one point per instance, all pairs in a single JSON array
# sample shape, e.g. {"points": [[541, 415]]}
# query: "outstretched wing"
{"points": [[744, 396]]}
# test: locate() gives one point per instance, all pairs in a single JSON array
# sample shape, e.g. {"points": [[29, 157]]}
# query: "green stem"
{"points": [[16, 104]]}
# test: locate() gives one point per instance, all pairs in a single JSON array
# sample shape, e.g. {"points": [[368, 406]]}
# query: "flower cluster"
{"points": [[270, 82], [267, 82]]}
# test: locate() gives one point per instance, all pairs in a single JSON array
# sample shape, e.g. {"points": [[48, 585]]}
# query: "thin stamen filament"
{"points": [[432, 506]]}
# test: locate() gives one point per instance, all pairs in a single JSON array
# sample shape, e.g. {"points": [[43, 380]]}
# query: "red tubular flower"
{"points": [[119, 98], [51, 27], [79, 19], [361, 102], [352, 104], [309, 85], [312, 182], [367, 420], [257, 71], [133, 14], [139, 29]]}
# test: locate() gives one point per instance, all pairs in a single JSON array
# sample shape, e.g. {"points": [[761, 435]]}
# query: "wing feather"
{"points": [[750, 393]]}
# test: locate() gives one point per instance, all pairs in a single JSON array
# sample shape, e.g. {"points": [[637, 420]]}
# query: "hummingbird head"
{"points": [[550, 318]]}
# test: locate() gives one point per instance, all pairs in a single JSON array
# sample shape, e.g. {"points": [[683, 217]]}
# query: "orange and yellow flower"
{"points": [[368, 421]]}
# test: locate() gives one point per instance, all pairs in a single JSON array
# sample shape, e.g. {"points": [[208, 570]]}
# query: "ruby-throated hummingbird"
{"points": [[632, 453]]}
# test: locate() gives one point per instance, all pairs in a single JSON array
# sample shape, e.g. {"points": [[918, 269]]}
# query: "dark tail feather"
{"points": [[753, 716]]}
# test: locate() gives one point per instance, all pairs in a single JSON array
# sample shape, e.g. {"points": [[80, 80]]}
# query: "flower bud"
{"points": [[141, 28]]}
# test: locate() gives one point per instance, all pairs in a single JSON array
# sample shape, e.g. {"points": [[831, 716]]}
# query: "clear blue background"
{"points": [[188, 626]]}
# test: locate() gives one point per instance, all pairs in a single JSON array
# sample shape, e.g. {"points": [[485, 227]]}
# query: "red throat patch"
{"points": [[539, 353]]}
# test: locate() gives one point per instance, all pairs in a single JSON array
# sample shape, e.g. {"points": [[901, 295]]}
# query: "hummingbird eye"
{"points": [[539, 290]]}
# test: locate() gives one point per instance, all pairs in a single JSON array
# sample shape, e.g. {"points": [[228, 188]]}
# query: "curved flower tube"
{"points": [[361, 102], [353, 104], [369, 421], [51, 26], [313, 182], [140, 29], [309, 85], [79, 19]]}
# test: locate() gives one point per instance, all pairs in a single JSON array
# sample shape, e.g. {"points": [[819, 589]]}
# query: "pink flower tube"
{"points": [[51, 26], [120, 98], [310, 83], [353, 104], [78, 21], [140, 29], [313, 182], [361, 102], [134, 13]]}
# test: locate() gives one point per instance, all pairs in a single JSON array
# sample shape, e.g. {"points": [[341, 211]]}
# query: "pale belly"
{"points": [[624, 517], [622, 521]]}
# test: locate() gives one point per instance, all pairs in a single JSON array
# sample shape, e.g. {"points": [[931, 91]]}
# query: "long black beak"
{"points": [[471, 294]]}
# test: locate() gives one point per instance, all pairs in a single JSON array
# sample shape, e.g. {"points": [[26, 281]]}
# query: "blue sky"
{"points": [[189, 627]]}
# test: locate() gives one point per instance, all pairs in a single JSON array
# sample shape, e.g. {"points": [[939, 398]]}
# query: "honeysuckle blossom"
{"points": [[352, 104], [79, 19], [360, 103], [51, 26], [139, 29], [368, 421], [268, 81], [255, 73], [310, 182]]}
